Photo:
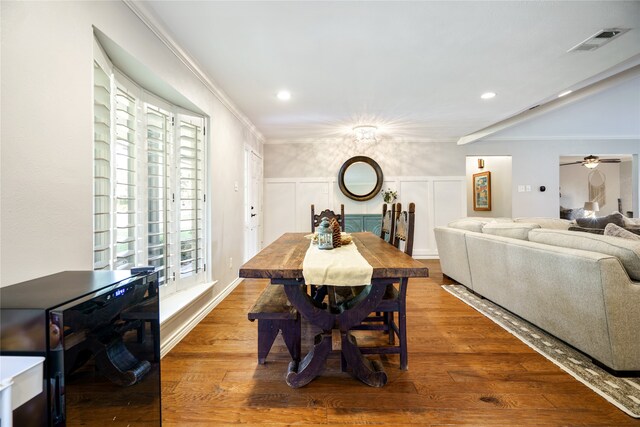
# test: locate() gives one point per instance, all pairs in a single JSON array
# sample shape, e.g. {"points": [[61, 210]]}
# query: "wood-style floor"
{"points": [[463, 370]]}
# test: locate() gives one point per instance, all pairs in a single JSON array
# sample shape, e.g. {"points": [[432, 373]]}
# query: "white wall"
{"points": [[395, 158], [47, 149], [536, 163], [574, 186], [500, 168]]}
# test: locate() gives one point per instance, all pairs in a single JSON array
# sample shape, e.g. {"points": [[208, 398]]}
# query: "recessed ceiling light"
{"points": [[284, 95], [488, 95], [566, 92]]}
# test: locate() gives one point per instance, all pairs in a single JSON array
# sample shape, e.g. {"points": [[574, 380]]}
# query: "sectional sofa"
{"points": [[580, 287]]}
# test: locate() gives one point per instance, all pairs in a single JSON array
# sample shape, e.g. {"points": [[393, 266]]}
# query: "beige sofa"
{"points": [[580, 287]]}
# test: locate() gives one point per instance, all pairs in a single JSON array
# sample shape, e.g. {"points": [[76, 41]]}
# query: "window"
{"points": [[149, 182]]}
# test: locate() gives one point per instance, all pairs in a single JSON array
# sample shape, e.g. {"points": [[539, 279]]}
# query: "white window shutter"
{"points": [[125, 180], [160, 197], [101, 168], [189, 139]]}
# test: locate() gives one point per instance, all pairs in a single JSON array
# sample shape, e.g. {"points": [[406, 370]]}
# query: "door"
{"points": [[253, 203]]}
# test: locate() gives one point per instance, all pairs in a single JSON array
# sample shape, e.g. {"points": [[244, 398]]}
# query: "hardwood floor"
{"points": [[463, 370]]}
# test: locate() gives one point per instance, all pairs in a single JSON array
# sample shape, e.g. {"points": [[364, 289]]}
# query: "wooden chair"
{"points": [[394, 300], [388, 222], [315, 219]]}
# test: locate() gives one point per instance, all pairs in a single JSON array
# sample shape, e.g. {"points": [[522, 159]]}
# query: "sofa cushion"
{"points": [[601, 222], [514, 230], [543, 222], [627, 251], [468, 224], [615, 231]]}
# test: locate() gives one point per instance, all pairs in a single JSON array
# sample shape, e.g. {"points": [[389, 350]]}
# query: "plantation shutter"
{"points": [[125, 180], [149, 177], [190, 133], [160, 197], [101, 168]]}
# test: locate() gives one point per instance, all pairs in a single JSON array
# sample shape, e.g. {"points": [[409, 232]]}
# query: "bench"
{"points": [[274, 313]]}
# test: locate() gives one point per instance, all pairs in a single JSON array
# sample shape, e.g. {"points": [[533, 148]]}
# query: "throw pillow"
{"points": [[588, 230], [601, 222], [613, 230]]}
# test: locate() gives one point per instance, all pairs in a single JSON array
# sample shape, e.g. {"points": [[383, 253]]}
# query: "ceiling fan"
{"points": [[591, 162]]}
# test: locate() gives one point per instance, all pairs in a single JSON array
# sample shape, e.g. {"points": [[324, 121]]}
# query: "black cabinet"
{"points": [[100, 335]]}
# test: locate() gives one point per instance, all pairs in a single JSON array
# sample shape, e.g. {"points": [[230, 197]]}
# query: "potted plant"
{"points": [[389, 195]]}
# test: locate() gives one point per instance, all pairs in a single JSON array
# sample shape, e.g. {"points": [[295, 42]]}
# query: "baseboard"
{"points": [[175, 328]]}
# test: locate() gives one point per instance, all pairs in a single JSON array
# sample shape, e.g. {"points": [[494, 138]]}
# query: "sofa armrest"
{"points": [[622, 302], [452, 251]]}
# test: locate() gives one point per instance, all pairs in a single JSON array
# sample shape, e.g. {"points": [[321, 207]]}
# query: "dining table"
{"points": [[282, 263]]}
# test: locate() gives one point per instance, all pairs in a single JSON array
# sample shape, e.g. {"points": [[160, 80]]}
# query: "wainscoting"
{"points": [[438, 199]]}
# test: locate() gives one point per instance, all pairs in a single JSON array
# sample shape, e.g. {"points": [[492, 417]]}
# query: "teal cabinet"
{"points": [[369, 222]]}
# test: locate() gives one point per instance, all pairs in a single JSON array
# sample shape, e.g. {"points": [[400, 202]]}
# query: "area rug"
{"points": [[622, 392]]}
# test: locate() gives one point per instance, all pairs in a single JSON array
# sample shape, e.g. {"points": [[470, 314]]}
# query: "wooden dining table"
{"points": [[281, 262]]}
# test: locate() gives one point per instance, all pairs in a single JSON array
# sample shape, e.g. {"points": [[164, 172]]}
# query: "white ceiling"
{"points": [[414, 69]]}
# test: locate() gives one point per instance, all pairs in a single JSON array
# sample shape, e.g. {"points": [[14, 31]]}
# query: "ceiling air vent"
{"points": [[599, 39]]}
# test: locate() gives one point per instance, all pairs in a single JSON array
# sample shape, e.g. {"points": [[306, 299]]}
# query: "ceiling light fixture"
{"points": [[591, 162], [284, 95], [566, 92], [488, 95], [365, 133]]}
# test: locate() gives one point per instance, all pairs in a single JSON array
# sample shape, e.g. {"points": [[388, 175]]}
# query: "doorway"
{"points": [[252, 203], [608, 183]]}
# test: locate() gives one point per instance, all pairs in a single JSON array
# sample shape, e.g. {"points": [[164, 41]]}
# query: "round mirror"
{"points": [[360, 178]]}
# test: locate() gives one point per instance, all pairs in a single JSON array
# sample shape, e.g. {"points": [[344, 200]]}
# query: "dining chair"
{"points": [[388, 222], [315, 219], [394, 300]]}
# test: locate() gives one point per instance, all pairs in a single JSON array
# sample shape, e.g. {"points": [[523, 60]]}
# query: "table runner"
{"points": [[343, 266]]}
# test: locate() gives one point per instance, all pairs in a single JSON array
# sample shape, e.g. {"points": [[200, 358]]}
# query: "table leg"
{"points": [[368, 371], [352, 312], [302, 373], [345, 316]]}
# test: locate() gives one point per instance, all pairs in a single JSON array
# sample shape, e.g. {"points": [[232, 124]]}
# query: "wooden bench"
{"points": [[274, 313]]}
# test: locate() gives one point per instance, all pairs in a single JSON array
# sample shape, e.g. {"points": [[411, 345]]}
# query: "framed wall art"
{"points": [[482, 191]]}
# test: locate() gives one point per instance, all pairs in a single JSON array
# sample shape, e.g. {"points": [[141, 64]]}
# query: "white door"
{"points": [[253, 203]]}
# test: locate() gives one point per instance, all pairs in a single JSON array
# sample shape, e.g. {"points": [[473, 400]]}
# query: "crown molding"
{"points": [[565, 138], [350, 140], [148, 19]]}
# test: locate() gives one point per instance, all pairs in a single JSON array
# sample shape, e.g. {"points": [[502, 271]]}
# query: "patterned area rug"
{"points": [[622, 392]]}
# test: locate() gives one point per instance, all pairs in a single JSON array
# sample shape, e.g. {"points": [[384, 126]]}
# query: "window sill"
{"points": [[174, 303]]}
